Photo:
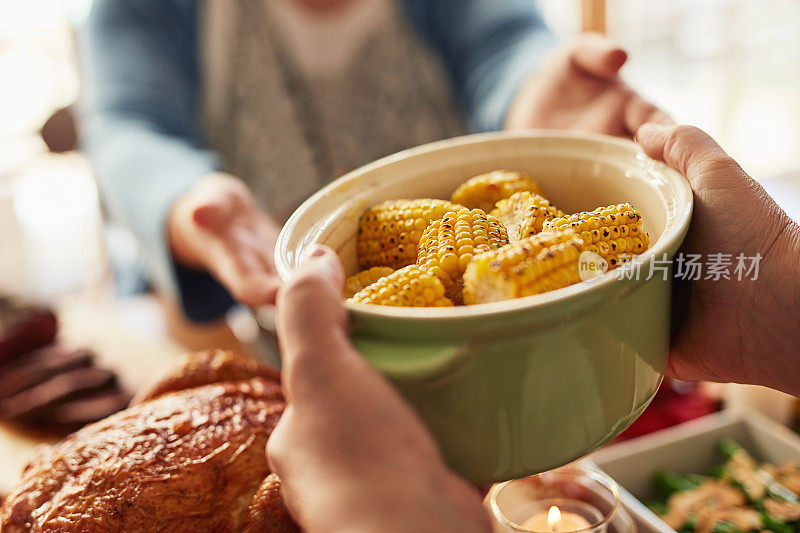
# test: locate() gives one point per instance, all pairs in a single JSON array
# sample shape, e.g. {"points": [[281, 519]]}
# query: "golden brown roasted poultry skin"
{"points": [[189, 455]]}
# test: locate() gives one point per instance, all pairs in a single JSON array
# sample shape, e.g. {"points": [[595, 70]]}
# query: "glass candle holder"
{"points": [[565, 500]]}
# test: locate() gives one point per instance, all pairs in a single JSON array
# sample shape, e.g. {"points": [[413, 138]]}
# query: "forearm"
{"points": [[140, 129], [141, 175]]}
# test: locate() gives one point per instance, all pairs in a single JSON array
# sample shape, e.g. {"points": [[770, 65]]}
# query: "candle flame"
{"points": [[553, 518]]}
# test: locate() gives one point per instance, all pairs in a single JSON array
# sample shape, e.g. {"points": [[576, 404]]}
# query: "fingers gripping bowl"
{"points": [[516, 387]]}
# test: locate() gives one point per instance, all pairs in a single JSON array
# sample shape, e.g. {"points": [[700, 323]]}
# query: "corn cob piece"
{"points": [[614, 232], [484, 191], [524, 214], [542, 263], [388, 233], [364, 279], [411, 286], [449, 244]]}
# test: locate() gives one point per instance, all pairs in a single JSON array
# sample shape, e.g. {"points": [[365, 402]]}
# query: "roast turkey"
{"points": [[187, 455]]}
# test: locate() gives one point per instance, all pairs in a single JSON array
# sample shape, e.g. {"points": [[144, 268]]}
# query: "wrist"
{"points": [[434, 500], [789, 242], [782, 310]]}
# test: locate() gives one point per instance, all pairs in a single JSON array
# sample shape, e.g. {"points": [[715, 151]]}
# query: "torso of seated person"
{"points": [[301, 92]]}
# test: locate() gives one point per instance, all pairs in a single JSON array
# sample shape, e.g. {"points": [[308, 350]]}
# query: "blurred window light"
{"points": [[58, 215], [37, 61], [763, 128], [731, 67]]}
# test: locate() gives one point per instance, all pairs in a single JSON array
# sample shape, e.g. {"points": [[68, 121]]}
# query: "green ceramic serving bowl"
{"points": [[514, 388]]}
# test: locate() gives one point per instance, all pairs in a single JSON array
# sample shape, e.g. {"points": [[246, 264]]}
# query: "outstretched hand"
{"points": [[352, 455], [746, 331], [217, 226], [579, 88]]}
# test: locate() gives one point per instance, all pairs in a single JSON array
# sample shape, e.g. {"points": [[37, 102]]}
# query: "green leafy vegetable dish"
{"points": [[738, 496]]}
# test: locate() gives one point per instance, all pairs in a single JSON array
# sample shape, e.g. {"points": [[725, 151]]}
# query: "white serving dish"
{"points": [[689, 447]]}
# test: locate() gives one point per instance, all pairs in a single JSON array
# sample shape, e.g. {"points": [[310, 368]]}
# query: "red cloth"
{"points": [[676, 402]]}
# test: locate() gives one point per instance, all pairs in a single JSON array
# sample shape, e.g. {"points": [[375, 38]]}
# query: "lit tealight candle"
{"points": [[554, 520]]}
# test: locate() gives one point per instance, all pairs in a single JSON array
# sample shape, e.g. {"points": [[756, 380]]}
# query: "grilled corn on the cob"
{"points": [[484, 191], [364, 279], [388, 233], [614, 232], [524, 214], [411, 286], [538, 264], [449, 244]]}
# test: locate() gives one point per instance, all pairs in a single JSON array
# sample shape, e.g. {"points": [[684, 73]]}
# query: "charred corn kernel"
{"points": [[524, 214], [614, 232], [449, 244], [388, 233], [484, 191], [542, 263], [411, 286], [364, 279]]}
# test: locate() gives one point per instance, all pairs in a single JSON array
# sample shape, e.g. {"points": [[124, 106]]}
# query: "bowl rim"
{"points": [[671, 237]]}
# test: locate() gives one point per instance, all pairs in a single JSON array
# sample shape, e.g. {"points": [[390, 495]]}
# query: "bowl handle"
{"points": [[412, 362]]}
